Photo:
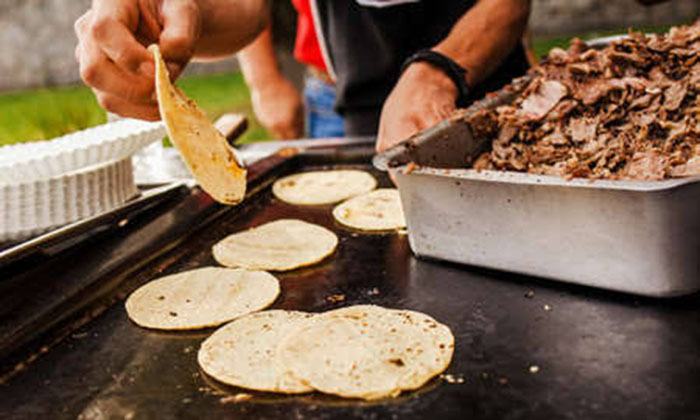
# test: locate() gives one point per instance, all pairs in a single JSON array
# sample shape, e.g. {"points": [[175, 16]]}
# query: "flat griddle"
{"points": [[525, 347]]}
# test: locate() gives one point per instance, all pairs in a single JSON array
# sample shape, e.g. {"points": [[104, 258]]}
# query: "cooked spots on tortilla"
{"points": [[201, 298], [281, 245], [323, 187], [243, 352], [377, 210]]}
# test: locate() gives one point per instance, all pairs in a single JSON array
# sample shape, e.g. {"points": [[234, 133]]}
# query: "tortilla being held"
{"points": [[205, 151]]}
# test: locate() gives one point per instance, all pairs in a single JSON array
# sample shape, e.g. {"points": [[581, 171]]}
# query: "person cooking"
{"points": [[399, 66], [276, 102]]}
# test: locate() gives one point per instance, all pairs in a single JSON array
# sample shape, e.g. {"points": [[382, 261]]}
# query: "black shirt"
{"points": [[366, 46]]}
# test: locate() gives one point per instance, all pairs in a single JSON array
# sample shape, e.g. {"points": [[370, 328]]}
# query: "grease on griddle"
{"points": [[452, 378], [337, 298]]}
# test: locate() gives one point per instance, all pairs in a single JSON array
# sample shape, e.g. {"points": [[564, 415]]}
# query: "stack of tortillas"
{"points": [[363, 351]]}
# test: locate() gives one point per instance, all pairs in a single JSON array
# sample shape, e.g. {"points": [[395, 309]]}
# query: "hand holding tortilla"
{"points": [[206, 152], [113, 35], [112, 39]]}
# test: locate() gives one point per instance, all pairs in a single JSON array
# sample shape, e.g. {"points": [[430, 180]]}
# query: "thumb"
{"points": [[181, 28]]}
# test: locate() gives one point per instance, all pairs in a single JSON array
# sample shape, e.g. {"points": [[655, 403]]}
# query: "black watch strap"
{"points": [[454, 71]]}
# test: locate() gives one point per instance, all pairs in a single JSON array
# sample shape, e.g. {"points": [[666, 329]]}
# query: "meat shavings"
{"points": [[543, 99], [628, 111]]}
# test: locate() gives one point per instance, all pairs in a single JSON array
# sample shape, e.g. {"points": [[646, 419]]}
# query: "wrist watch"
{"points": [[454, 71]]}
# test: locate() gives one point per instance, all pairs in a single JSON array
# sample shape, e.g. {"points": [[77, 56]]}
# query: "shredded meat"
{"points": [[628, 111], [543, 99]]}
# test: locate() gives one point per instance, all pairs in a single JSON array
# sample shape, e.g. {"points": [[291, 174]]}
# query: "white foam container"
{"points": [[47, 184], [30, 208], [22, 163]]}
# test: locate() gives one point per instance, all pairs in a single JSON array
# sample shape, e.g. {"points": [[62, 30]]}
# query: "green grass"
{"points": [[542, 44], [50, 112], [47, 113]]}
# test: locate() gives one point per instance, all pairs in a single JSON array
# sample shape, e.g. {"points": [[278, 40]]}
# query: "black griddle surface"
{"points": [[597, 355]]}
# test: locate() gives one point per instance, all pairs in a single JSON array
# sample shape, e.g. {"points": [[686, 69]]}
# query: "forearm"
{"points": [[258, 62], [276, 103], [229, 25], [425, 95], [485, 35]]}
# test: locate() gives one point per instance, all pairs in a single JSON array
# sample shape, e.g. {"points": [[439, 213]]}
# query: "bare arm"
{"points": [[258, 62], [485, 36], [113, 36], [229, 25], [479, 42], [276, 102]]}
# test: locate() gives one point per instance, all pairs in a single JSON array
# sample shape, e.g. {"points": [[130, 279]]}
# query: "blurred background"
{"points": [[41, 95]]}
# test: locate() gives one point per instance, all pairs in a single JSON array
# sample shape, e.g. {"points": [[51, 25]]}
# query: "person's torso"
{"points": [[364, 43], [306, 46]]}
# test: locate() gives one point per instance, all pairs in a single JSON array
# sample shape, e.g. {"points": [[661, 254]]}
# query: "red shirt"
{"points": [[306, 47]]}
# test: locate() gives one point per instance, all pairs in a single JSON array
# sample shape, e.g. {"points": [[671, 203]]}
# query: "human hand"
{"points": [[111, 51], [279, 108], [423, 96]]}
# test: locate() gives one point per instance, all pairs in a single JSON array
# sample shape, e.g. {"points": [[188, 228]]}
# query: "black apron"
{"points": [[366, 46]]}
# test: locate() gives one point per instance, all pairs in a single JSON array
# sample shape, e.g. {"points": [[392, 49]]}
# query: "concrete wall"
{"points": [[37, 41], [569, 16]]}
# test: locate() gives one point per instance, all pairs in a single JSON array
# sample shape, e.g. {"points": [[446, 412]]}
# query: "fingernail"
{"points": [[147, 68], [173, 69]]}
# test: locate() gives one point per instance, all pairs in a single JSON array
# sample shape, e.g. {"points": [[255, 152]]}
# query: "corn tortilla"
{"points": [[281, 245], [243, 352], [204, 149], [323, 187], [376, 210], [367, 351], [205, 297]]}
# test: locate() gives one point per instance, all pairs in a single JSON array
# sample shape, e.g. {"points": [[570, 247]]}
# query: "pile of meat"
{"points": [[629, 111]]}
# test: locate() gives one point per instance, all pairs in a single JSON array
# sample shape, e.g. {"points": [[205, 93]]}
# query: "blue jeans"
{"points": [[321, 119]]}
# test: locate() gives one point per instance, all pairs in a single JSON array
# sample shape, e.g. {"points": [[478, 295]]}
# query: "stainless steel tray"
{"points": [[641, 237]]}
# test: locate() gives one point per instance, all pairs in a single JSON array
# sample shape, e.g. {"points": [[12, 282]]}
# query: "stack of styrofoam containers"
{"points": [[50, 183]]}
